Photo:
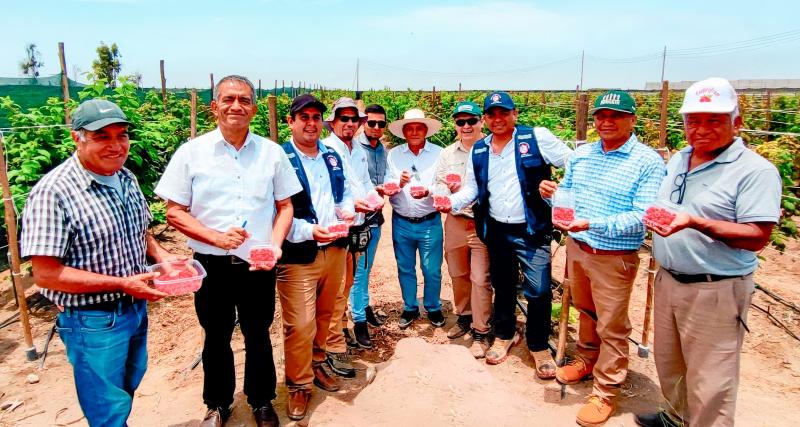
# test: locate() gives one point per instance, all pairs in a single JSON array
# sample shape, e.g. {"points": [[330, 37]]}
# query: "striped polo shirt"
{"points": [[72, 216]]}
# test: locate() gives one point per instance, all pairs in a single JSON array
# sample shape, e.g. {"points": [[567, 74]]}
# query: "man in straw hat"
{"points": [[728, 200], [343, 122], [503, 175], [416, 225], [612, 181]]}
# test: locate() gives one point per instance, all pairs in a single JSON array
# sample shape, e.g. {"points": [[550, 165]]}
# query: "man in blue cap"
{"points": [[85, 229], [503, 175]]}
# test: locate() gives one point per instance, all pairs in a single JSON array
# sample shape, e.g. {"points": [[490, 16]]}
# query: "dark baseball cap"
{"points": [[617, 100], [305, 101], [498, 99], [96, 114]]}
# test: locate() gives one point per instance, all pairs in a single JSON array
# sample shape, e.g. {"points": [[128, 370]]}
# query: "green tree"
{"points": [[107, 64], [33, 61]]}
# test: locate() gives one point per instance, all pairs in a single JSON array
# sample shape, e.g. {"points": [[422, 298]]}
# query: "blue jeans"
{"points": [[512, 248], [108, 353], [427, 237], [359, 293]]}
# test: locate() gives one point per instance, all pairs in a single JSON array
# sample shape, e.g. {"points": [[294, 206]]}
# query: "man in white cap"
{"points": [[729, 201], [416, 225], [343, 122]]}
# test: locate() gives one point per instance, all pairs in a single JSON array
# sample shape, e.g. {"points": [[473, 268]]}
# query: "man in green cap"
{"points": [[612, 181], [85, 229], [467, 257]]}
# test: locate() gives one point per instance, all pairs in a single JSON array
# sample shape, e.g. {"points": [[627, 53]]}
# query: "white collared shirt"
{"points": [[358, 166], [319, 184], [505, 197], [400, 159], [224, 187]]}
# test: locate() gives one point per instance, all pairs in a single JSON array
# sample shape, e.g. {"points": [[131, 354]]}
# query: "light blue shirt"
{"points": [[400, 159], [319, 183], [224, 187], [112, 181], [738, 186], [505, 198], [612, 190]]}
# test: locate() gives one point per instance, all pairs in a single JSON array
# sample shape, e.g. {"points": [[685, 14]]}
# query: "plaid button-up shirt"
{"points": [[71, 216]]}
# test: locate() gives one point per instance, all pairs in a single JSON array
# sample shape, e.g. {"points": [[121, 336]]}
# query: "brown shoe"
{"points": [[322, 379], [266, 417], [215, 417], [480, 344], [298, 404], [595, 412], [498, 352], [574, 372]]}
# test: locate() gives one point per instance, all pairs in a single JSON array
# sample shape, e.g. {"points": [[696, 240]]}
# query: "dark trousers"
{"points": [[227, 290], [512, 248]]}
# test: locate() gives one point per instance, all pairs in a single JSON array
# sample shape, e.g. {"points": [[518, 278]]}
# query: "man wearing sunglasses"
{"points": [[467, 258], [503, 174], [612, 181], [370, 141], [728, 201], [343, 122]]}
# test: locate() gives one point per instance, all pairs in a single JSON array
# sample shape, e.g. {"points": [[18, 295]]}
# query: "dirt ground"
{"points": [[431, 381]]}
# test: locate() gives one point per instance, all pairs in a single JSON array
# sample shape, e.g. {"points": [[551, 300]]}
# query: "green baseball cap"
{"points": [[96, 114], [467, 107], [617, 100]]}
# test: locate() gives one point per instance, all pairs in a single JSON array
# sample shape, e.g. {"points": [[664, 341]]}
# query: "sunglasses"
{"points": [[379, 123], [680, 188], [345, 119], [471, 121]]}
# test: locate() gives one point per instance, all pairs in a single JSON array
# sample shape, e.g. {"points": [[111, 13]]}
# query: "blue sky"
{"points": [[510, 44]]}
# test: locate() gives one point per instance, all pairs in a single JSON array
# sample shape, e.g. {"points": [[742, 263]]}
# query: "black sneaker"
{"points": [[657, 419], [362, 335], [372, 319], [407, 318], [349, 339], [436, 318], [340, 364]]}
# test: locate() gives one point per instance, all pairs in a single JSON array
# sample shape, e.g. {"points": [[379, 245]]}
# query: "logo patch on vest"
{"points": [[290, 155], [480, 150], [333, 162], [524, 148], [525, 136]]}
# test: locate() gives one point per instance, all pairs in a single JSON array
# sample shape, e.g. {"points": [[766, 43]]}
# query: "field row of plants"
{"points": [[33, 148]]}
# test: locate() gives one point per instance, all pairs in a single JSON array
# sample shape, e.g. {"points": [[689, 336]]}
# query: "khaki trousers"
{"points": [[336, 342], [308, 293], [601, 291], [698, 340], [468, 265]]}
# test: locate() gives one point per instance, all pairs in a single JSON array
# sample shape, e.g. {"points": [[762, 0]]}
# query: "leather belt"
{"points": [[699, 278], [591, 250], [427, 217], [219, 259], [123, 302]]}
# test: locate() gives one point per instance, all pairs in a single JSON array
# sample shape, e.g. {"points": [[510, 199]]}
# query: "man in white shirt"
{"points": [[312, 268], [343, 122], [416, 225], [213, 185], [503, 175]]}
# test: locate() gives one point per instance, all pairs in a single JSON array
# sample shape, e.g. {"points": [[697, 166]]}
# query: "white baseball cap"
{"points": [[712, 95]]}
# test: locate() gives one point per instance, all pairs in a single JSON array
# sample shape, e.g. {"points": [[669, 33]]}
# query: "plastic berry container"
{"points": [[178, 277], [660, 214], [452, 178], [262, 256], [441, 201], [417, 190], [339, 228], [563, 206], [374, 200], [391, 187]]}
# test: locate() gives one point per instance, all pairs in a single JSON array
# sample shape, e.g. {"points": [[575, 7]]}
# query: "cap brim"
{"points": [[317, 104], [99, 124], [471, 113], [396, 127], [505, 107], [594, 110]]}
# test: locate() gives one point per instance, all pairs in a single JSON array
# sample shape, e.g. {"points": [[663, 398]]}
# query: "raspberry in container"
{"points": [[374, 200], [660, 214], [563, 206], [391, 187], [340, 228], [452, 178], [418, 190], [262, 256], [178, 277]]}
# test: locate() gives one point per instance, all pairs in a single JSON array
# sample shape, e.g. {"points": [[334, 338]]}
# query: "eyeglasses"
{"points": [[680, 188], [380, 123], [345, 119], [472, 121]]}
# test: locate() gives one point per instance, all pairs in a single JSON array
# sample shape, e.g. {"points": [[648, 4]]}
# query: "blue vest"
{"points": [[531, 170], [306, 252]]}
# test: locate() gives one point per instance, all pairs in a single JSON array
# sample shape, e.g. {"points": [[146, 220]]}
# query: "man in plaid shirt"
{"points": [[85, 229], [612, 181]]}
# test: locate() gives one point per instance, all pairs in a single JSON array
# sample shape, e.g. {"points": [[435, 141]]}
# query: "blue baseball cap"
{"points": [[498, 99]]}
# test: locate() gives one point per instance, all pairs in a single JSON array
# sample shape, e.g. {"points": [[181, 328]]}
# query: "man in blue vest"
{"points": [[503, 175], [311, 269]]}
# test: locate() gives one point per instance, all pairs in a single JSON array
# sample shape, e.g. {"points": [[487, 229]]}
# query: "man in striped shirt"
{"points": [[612, 181], [85, 229]]}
